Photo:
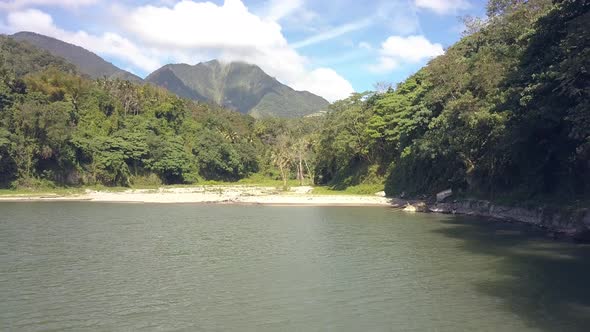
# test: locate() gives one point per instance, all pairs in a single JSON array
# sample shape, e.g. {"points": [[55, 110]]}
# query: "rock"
{"points": [[380, 194], [409, 208], [442, 208], [575, 224], [417, 207], [441, 196]]}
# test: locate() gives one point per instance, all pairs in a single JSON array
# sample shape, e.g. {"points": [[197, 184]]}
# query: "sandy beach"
{"points": [[216, 194]]}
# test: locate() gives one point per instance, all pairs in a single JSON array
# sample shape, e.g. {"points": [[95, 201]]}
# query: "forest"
{"points": [[504, 113]]}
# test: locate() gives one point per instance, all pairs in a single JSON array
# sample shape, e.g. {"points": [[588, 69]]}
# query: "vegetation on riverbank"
{"points": [[502, 115]]}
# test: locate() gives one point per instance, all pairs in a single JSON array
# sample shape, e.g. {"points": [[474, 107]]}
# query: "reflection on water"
{"points": [[544, 282], [90, 266]]}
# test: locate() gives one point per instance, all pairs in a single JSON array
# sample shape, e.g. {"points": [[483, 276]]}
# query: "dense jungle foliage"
{"points": [[59, 127], [505, 112]]}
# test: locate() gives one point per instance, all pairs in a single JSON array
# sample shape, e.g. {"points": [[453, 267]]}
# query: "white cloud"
{"points": [[326, 83], [18, 4], [411, 49], [443, 6], [231, 32], [192, 24], [108, 43], [385, 64]]}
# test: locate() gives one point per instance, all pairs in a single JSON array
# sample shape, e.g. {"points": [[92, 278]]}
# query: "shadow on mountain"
{"points": [[542, 281], [166, 79]]}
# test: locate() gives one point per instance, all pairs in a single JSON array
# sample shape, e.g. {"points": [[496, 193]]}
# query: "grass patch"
{"points": [[41, 191], [59, 191]]}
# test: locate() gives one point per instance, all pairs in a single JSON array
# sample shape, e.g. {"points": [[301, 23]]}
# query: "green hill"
{"points": [[23, 58], [87, 62], [240, 86]]}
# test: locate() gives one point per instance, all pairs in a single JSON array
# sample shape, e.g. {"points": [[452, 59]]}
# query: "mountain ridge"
{"points": [[86, 61], [236, 85]]}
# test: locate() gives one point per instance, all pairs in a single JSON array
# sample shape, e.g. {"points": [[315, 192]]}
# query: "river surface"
{"points": [[92, 266]]}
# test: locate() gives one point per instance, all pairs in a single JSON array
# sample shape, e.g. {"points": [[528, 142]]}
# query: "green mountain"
{"points": [[87, 62], [240, 86], [23, 58]]}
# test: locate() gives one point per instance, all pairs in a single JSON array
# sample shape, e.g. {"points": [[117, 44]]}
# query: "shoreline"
{"points": [[244, 195], [574, 224]]}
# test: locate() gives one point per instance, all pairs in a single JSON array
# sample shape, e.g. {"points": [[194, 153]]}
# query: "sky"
{"points": [[329, 47]]}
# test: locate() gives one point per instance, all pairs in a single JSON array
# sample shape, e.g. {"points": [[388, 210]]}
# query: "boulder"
{"points": [[416, 207]]}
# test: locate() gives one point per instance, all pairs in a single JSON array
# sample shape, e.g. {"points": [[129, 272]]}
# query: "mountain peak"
{"points": [[238, 85], [213, 62]]}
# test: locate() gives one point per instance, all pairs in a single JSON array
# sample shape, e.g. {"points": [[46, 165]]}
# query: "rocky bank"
{"points": [[573, 223]]}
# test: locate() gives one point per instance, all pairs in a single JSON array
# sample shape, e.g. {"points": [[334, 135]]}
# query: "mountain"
{"points": [[240, 86], [23, 58], [86, 61]]}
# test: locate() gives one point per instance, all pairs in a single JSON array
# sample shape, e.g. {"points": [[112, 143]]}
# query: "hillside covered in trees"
{"points": [[58, 127], [505, 112], [85, 61]]}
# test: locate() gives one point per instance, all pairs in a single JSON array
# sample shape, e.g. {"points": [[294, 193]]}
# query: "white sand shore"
{"points": [[217, 194]]}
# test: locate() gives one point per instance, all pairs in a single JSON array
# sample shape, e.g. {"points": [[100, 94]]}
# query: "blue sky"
{"points": [[329, 47]]}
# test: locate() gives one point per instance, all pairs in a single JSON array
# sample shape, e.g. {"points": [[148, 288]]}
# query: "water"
{"points": [[91, 266]]}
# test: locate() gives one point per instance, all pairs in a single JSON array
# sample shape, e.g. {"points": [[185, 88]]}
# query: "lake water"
{"points": [[92, 266]]}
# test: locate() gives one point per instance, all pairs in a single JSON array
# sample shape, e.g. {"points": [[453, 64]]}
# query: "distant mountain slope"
{"points": [[239, 86], [243, 87], [86, 61], [24, 58]]}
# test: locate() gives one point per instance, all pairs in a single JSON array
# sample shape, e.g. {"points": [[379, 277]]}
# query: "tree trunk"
{"points": [[283, 175], [309, 174], [300, 170]]}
